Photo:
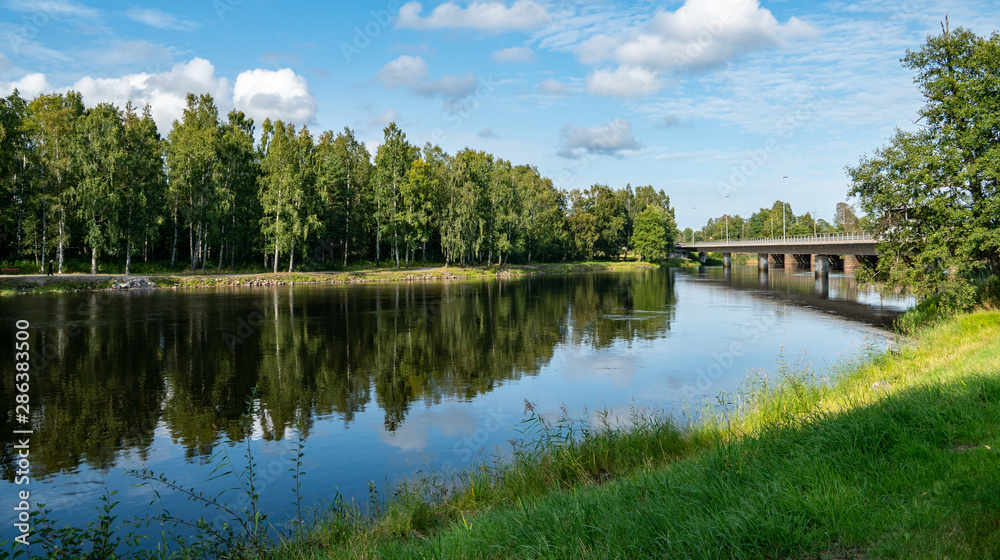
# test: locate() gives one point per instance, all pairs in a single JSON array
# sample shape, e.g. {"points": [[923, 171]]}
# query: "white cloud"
{"points": [[381, 120], [278, 95], [489, 16], [275, 94], [160, 19], [28, 86], [165, 92], [487, 133], [411, 72], [405, 70], [55, 8], [514, 54], [698, 35], [552, 87], [625, 81], [612, 139]]}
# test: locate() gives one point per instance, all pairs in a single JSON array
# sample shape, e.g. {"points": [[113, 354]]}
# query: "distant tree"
{"points": [[844, 219]]}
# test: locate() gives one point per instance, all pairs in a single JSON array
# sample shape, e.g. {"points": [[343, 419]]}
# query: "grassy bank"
{"points": [[15, 285], [897, 458]]}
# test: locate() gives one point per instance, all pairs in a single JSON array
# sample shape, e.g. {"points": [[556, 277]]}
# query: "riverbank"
{"points": [[24, 284], [894, 458]]}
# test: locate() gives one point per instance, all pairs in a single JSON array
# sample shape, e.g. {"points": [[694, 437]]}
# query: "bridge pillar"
{"points": [[821, 264], [851, 262], [727, 260], [702, 257], [762, 261]]}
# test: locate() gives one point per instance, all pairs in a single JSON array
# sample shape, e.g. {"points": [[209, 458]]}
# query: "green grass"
{"points": [[895, 458]]}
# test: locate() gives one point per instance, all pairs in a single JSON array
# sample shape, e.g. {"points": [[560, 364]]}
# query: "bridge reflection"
{"points": [[838, 294]]}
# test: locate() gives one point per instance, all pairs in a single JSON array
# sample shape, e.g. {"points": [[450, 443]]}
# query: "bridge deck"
{"points": [[824, 244]]}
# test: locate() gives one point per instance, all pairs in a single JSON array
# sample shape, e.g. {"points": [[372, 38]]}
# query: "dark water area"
{"points": [[381, 380]]}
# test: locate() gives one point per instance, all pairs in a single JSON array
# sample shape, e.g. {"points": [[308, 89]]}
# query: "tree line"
{"points": [[101, 183], [776, 221]]}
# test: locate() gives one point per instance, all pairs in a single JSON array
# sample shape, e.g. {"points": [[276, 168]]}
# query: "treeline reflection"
{"points": [[131, 367]]}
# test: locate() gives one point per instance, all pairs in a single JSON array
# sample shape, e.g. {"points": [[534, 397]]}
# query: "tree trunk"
{"points": [[291, 258], [61, 229], [191, 244], [275, 270], [93, 260], [201, 247], [173, 251], [128, 260], [45, 215]]}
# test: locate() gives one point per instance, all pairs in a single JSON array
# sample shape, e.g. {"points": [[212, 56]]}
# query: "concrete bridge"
{"points": [[817, 252]]}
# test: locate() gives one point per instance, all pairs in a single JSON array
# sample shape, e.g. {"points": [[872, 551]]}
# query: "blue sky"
{"points": [[704, 99]]}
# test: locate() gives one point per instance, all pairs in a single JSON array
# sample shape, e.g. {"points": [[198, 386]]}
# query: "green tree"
{"points": [[51, 124], [142, 184], [288, 194], [420, 195], [343, 171], [610, 215], [392, 163], [192, 167], [652, 237], [583, 225], [237, 176], [933, 194], [100, 158], [15, 180], [544, 210]]}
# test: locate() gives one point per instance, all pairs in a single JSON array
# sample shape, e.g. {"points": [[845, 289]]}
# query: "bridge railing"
{"points": [[819, 238]]}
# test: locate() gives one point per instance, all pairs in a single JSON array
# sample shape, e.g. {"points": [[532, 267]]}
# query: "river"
{"points": [[379, 381]]}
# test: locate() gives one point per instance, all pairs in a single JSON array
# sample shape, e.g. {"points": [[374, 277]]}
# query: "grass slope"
{"points": [[897, 458]]}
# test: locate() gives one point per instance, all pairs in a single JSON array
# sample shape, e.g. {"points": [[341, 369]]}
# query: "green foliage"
{"points": [[934, 194], [99, 155], [650, 238], [192, 167], [289, 197]]}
